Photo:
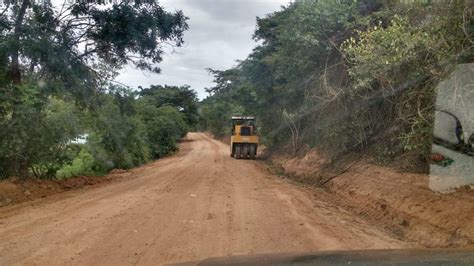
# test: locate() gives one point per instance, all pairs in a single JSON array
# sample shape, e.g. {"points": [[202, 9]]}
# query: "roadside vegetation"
{"points": [[339, 76], [342, 76], [56, 67]]}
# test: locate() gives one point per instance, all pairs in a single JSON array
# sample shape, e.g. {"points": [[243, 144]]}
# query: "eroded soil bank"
{"points": [[398, 201], [14, 190]]}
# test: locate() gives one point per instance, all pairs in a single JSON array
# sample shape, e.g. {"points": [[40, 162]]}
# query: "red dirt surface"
{"points": [[197, 204], [14, 190], [396, 201]]}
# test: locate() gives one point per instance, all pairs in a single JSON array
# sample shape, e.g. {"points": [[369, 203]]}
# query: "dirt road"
{"points": [[197, 204]]}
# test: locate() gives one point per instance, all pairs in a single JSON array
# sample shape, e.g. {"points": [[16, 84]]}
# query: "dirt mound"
{"points": [[399, 202], [309, 165], [14, 190], [404, 202]]}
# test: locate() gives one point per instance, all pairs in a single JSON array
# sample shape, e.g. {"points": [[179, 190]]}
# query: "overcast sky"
{"points": [[220, 32]]}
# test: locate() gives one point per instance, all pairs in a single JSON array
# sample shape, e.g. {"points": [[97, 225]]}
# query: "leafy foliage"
{"points": [[36, 131], [343, 75], [55, 67], [405, 59], [83, 164], [182, 98], [216, 116], [119, 133]]}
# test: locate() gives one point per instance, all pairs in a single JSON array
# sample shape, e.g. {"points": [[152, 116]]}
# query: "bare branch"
{"points": [[466, 17]]}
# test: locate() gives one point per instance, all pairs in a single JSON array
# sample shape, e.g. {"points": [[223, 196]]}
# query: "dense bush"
{"points": [[342, 75], [54, 67], [216, 116], [123, 130], [126, 130], [83, 164], [35, 131]]}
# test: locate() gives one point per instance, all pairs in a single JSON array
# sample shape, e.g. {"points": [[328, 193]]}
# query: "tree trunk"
{"points": [[15, 72], [17, 166]]}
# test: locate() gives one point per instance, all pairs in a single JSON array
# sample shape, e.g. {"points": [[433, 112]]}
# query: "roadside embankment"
{"points": [[397, 201], [15, 190]]}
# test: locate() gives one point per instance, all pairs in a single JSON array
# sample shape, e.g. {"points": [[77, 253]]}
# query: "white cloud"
{"points": [[220, 33]]}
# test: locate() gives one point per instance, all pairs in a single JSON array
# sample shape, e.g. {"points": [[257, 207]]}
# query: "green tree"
{"points": [[341, 75], [402, 59], [183, 98], [117, 138], [35, 132], [217, 115], [69, 54], [164, 126]]}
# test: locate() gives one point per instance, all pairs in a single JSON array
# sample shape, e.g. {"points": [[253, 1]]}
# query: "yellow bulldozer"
{"points": [[244, 139]]}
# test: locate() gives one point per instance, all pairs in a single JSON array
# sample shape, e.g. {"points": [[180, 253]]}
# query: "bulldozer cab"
{"points": [[243, 125]]}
